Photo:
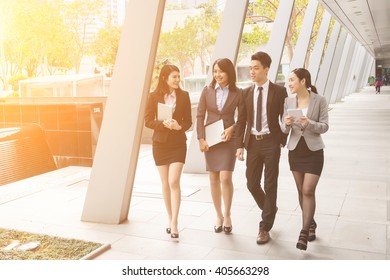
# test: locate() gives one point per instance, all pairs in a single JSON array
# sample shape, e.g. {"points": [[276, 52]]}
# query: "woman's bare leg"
{"points": [[175, 171]]}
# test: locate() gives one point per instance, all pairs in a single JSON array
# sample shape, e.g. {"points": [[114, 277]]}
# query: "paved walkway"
{"points": [[353, 202]]}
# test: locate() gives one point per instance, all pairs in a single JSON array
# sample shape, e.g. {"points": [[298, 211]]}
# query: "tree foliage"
{"points": [[265, 10], [314, 33], [79, 15], [194, 40], [105, 47], [209, 22], [180, 45], [250, 41], [40, 37], [35, 39]]}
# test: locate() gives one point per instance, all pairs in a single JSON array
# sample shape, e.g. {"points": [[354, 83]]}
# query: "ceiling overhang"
{"points": [[368, 21]]}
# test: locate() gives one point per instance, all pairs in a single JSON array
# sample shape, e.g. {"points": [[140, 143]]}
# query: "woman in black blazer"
{"points": [[169, 139]]}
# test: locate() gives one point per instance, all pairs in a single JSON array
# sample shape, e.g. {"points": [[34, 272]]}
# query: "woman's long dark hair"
{"points": [[303, 73], [162, 86], [226, 66]]}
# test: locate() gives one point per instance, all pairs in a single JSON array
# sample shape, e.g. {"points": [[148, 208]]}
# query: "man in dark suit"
{"points": [[259, 132]]}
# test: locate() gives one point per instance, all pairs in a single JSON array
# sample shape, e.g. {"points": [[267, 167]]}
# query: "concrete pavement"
{"points": [[353, 202]]}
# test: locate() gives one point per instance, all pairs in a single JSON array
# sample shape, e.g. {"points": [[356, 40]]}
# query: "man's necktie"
{"points": [[258, 112]]}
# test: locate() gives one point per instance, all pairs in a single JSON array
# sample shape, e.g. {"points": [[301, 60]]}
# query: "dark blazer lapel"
{"points": [[231, 97], [212, 98], [270, 97], [179, 100], [249, 102], [160, 98]]}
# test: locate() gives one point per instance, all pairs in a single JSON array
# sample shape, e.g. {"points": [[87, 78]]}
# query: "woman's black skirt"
{"points": [[173, 150], [302, 159]]}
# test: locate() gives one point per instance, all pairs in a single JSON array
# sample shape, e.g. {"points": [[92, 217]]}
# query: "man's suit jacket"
{"points": [[275, 102], [208, 103], [317, 113], [182, 115]]}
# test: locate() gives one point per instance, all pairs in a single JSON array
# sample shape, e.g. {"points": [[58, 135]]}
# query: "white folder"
{"points": [[295, 113], [164, 111], [214, 133]]}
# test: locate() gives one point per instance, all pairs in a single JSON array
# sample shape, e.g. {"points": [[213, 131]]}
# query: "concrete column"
{"points": [[230, 32], [370, 68], [356, 68], [277, 39], [303, 42], [227, 45], [349, 81], [346, 71], [333, 70], [340, 71], [362, 58], [300, 51], [372, 72], [362, 80], [113, 171], [366, 70], [316, 55], [361, 70], [323, 74]]}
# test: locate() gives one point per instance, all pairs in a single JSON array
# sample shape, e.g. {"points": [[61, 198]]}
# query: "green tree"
{"points": [[50, 43], [265, 10], [16, 37], [4, 17], [59, 53], [35, 38], [194, 40], [180, 45], [208, 23], [259, 14], [295, 25], [251, 40], [314, 33], [79, 15], [105, 47]]}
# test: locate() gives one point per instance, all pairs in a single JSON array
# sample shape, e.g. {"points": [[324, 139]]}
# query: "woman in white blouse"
{"points": [[219, 101]]}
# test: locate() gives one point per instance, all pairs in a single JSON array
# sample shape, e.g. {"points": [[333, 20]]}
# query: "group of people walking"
{"points": [[260, 119]]}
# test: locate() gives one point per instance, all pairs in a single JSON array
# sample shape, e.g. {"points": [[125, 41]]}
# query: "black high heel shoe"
{"points": [[302, 240], [218, 229], [168, 230], [312, 231], [174, 235], [227, 229]]}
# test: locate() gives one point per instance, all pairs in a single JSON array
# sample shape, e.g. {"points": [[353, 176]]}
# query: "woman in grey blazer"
{"points": [[306, 156], [219, 101]]}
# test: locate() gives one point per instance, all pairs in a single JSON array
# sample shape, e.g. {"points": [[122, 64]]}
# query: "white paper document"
{"points": [[164, 111], [295, 113], [214, 133]]}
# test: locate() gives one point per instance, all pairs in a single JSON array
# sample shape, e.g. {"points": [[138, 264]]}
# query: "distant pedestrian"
{"points": [[378, 83]]}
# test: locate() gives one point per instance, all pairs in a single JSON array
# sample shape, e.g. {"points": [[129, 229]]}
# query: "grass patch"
{"points": [[51, 247]]}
